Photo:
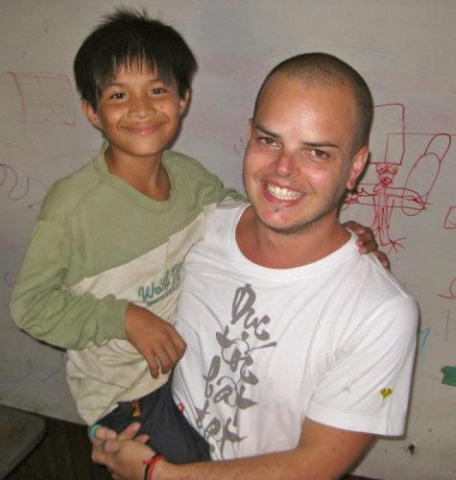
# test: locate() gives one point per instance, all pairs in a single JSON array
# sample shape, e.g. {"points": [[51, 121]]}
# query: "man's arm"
{"points": [[323, 453]]}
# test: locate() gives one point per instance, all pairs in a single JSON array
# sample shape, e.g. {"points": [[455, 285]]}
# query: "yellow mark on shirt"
{"points": [[385, 393]]}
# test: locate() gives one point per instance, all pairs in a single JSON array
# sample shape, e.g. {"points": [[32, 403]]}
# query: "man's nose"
{"points": [[286, 164]]}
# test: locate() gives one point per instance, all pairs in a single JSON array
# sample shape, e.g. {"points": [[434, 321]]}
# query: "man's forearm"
{"points": [[323, 453], [265, 467]]}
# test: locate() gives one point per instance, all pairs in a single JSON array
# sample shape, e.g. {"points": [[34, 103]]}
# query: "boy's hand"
{"points": [[366, 241], [156, 340], [101, 434]]}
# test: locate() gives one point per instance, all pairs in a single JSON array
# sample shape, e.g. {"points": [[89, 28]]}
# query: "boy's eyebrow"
{"points": [[117, 83], [306, 144]]}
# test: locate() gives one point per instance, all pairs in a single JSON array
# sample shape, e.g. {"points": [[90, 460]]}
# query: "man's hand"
{"points": [[366, 241], [156, 340], [122, 453], [123, 458]]}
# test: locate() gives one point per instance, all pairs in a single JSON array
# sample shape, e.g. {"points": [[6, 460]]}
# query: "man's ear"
{"points": [[91, 114], [357, 167], [250, 131]]}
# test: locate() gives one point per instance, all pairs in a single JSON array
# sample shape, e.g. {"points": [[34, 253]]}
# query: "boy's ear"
{"points": [[357, 167], [184, 102], [91, 114]]}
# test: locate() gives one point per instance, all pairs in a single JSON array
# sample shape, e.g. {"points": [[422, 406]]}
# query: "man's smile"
{"points": [[282, 193]]}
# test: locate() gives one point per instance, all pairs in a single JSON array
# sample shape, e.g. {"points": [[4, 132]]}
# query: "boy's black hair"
{"points": [[131, 39]]}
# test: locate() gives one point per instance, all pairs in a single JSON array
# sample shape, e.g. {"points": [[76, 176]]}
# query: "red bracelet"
{"points": [[150, 465]]}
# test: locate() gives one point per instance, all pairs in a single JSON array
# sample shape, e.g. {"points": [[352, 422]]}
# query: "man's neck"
{"points": [[271, 249]]}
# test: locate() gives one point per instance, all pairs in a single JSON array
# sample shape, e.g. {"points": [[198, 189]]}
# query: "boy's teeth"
{"points": [[282, 193]]}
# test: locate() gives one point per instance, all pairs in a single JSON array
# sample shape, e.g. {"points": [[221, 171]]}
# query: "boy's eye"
{"points": [[158, 90], [117, 96]]}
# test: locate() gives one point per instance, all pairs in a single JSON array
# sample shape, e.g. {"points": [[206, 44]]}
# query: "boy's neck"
{"points": [[147, 175]]}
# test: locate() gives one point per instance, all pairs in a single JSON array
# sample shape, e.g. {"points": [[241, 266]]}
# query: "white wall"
{"points": [[405, 49]]}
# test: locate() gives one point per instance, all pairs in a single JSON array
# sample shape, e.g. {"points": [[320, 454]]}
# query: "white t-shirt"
{"points": [[333, 341]]}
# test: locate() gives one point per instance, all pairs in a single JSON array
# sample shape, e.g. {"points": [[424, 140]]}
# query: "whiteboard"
{"points": [[405, 49]]}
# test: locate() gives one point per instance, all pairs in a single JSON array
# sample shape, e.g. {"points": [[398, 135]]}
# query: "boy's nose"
{"points": [[141, 106]]}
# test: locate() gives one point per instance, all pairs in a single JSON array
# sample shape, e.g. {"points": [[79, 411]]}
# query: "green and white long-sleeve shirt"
{"points": [[97, 245]]}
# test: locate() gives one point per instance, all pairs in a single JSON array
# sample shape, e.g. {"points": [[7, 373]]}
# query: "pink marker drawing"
{"points": [[384, 195], [45, 98], [450, 219]]}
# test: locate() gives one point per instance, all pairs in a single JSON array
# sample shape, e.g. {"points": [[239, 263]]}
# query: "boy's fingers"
{"points": [[179, 343], [98, 433], [154, 366], [110, 446], [173, 353]]}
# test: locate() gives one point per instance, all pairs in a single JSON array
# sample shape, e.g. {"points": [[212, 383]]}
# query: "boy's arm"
{"points": [[323, 453], [43, 305], [154, 338]]}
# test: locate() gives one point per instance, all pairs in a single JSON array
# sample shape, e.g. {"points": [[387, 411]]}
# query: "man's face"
{"points": [[298, 160]]}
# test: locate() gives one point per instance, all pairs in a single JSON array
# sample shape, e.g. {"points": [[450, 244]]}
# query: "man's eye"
{"points": [[318, 154], [158, 90], [266, 141]]}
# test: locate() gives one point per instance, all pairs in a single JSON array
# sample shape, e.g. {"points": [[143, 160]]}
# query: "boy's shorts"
{"points": [[170, 432]]}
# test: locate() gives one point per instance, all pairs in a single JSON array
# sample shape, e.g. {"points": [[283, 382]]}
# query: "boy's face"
{"points": [[138, 113]]}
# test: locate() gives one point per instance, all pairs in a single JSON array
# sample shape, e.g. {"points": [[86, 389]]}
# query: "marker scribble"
{"points": [[15, 191], [45, 98], [386, 196]]}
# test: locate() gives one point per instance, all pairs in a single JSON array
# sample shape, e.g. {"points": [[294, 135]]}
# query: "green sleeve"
{"points": [[232, 193], [43, 305]]}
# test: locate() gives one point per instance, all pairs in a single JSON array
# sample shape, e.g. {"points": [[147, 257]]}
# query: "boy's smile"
{"points": [[139, 114]]}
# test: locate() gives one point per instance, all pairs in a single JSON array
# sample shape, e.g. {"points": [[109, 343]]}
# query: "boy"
{"points": [[105, 260], [104, 266]]}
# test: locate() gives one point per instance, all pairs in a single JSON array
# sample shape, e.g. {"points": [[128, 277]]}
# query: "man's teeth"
{"points": [[282, 193]]}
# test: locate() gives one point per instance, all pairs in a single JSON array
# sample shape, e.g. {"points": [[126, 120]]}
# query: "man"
{"points": [[299, 349]]}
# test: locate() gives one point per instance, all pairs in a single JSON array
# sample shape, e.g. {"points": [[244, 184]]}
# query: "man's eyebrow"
{"points": [[304, 143], [321, 145], [266, 131]]}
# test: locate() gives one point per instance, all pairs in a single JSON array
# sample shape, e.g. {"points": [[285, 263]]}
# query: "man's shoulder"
{"points": [[228, 212], [382, 276], [379, 288]]}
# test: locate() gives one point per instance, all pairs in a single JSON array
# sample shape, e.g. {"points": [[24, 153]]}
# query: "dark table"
{"points": [[20, 433]]}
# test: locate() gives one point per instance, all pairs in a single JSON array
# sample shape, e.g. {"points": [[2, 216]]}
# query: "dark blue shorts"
{"points": [[170, 432]]}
